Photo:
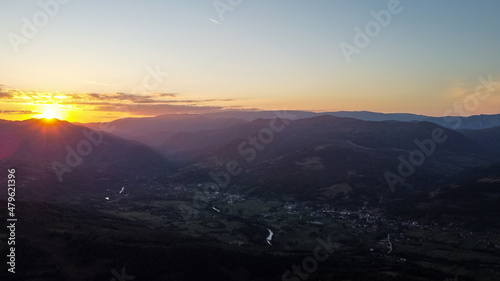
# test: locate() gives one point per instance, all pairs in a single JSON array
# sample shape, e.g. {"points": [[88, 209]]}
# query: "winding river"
{"points": [[245, 220], [268, 239]]}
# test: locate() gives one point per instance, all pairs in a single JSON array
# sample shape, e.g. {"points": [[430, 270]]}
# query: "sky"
{"points": [[94, 60]]}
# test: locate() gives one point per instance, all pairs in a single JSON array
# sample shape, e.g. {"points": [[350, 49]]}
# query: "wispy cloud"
{"points": [[157, 109], [96, 98], [18, 112], [97, 83], [150, 104], [4, 95], [167, 94], [457, 89]]}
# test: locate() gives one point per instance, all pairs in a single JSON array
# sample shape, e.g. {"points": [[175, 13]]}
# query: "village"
{"points": [[224, 213]]}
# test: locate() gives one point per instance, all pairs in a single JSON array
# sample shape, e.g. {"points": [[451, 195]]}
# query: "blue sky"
{"points": [[262, 54]]}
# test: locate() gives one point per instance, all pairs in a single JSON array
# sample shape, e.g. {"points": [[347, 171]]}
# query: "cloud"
{"points": [[157, 109], [112, 96], [98, 98], [97, 83], [153, 97], [239, 107], [167, 94], [18, 112], [4, 95], [455, 92], [150, 104], [180, 101]]}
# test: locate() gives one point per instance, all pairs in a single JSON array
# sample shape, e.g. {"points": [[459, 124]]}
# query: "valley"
{"points": [[312, 204], [232, 140]]}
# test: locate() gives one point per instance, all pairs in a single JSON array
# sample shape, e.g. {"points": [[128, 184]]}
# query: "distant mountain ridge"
{"points": [[314, 156], [488, 138], [375, 116], [155, 131], [290, 152], [453, 122]]}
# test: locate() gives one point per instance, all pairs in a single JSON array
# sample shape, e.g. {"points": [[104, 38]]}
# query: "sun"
{"points": [[50, 113]]}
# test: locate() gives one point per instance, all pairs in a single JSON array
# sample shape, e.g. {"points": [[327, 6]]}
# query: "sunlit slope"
{"points": [[51, 155]]}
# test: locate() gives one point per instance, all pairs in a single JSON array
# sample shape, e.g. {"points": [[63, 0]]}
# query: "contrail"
{"points": [[215, 21]]}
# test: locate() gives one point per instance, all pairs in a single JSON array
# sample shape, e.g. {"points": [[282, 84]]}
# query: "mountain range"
{"points": [[305, 154], [57, 157], [403, 199], [155, 130], [317, 157]]}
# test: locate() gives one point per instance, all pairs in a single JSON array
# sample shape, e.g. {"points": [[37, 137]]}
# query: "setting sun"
{"points": [[50, 114], [49, 111]]}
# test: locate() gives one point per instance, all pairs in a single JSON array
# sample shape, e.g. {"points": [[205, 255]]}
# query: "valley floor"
{"points": [[160, 235]]}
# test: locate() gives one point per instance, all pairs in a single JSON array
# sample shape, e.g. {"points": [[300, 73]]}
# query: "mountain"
{"points": [[488, 138], [263, 114], [316, 186], [318, 157], [451, 122], [154, 130], [324, 156], [375, 116], [474, 122], [471, 198], [53, 157]]}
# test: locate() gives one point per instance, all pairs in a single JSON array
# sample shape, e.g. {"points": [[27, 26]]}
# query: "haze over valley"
{"points": [[231, 180], [249, 140]]}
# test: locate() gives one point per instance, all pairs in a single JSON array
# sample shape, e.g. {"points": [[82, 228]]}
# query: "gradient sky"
{"points": [[90, 60]]}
